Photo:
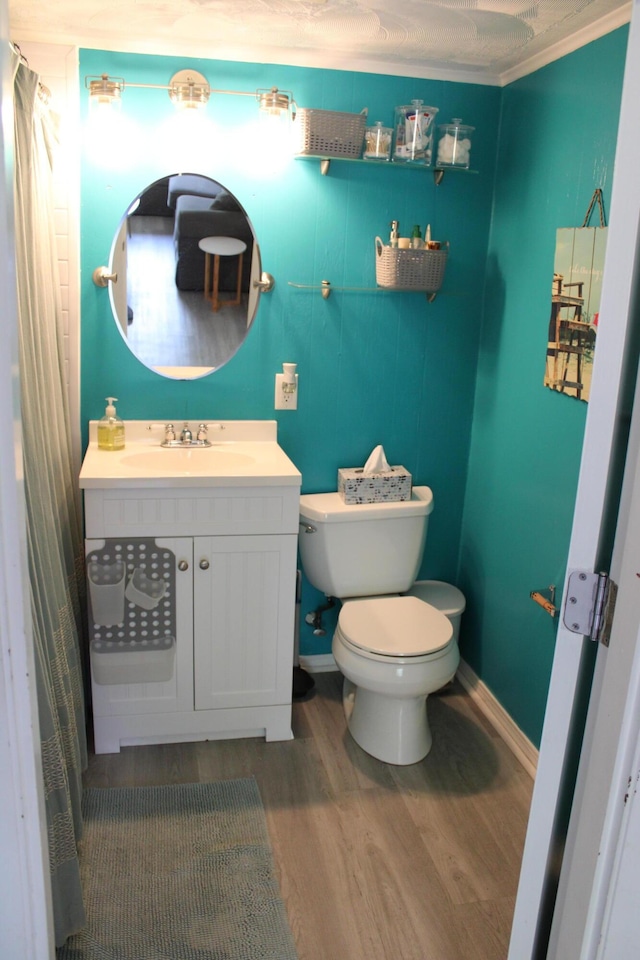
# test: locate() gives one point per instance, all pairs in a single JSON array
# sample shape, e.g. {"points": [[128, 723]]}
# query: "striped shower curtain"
{"points": [[53, 518]]}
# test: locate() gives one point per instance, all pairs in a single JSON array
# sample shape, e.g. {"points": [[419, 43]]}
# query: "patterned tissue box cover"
{"points": [[386, 486]]}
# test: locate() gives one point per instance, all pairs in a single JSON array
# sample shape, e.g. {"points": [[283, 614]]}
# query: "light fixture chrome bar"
{"points": [[190, 89]]}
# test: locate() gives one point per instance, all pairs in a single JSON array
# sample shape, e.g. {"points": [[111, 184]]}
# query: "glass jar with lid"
{"points": [[454, 144], [414, 133], [377, 142]]}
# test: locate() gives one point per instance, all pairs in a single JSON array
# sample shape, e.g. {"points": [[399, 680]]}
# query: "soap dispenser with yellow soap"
{"points": [[110, 428]]}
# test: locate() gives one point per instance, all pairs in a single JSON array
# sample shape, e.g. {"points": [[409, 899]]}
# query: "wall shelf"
{"points": [[325, 288], [438, 172]]}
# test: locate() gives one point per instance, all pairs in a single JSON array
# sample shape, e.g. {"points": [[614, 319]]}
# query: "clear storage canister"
{"points": [[377, 142], [414, 133], [454, 144]]}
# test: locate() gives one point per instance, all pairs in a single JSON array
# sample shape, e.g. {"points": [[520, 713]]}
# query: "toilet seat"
{"points": [[394, 627]]}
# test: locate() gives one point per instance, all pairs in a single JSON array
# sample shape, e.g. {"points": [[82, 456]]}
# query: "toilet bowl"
{"points": [[396, 640], [393, 652]]}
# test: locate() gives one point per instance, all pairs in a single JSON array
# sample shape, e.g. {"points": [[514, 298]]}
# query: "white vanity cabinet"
{"points": [[228, 554]]}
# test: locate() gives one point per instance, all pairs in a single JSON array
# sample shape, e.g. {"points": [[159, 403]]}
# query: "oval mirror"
{"points": [[186, 258]]}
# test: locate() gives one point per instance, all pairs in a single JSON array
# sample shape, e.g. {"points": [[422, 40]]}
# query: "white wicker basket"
{"points": [[328, 133], [410, 269]]}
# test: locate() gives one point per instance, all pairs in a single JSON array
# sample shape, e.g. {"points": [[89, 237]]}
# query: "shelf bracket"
{"points": [[438, 177], [324, 166]]}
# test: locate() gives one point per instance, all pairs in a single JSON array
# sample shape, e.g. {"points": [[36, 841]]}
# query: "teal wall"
{"points": [[373, 367], [557, 143], [501, 455]]}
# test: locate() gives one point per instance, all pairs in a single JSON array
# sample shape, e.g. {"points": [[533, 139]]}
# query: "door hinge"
{"points": [[590, 604]]}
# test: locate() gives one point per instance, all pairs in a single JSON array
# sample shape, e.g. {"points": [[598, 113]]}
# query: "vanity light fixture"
{"points": [[105, 93], [276, 103], [187, 89]]}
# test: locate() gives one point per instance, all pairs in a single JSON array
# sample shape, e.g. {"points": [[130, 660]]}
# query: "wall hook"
{"points": [[101, 276], [265, 284], [326, 289]]}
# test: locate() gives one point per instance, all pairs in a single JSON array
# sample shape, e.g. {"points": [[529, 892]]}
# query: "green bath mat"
{"points": [[179, 873]]}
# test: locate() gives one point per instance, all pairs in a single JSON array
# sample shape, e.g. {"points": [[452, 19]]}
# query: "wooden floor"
{"points": [[173, 327], [375, 862]]}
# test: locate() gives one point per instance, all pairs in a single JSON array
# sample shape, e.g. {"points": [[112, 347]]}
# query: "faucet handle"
{"points": [[202, 432], [169, 432]]}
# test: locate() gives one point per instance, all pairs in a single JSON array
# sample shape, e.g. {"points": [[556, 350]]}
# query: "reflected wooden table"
{"points": [[217, 247]]}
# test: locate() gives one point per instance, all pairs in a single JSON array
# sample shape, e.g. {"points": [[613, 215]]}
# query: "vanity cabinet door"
{"points": [[124, 663], [244, 610]]}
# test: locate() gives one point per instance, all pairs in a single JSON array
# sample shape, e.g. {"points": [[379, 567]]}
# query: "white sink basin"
{"points": [[249, 455], [196, 460]]}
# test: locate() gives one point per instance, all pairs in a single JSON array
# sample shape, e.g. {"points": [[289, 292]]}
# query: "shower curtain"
{"points": [[54, 537]]}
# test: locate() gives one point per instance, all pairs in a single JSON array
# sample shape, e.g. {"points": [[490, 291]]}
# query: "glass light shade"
{"points": [[105, 93], [189, 90], [273, 102]]}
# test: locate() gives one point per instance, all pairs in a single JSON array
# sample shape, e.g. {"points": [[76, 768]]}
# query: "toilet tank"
{"points": [[361, 550]]}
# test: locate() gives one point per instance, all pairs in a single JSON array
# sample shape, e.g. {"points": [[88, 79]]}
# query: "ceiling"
{"points": [[483, 41]]}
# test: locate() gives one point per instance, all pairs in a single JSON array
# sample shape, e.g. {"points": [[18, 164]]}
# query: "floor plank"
{"points": [[375, 861]]}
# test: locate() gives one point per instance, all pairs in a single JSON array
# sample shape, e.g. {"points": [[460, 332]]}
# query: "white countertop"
{"points": [[243, 453]]}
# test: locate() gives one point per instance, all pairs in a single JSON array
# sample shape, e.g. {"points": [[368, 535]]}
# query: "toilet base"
{"points": [[392, 730]]}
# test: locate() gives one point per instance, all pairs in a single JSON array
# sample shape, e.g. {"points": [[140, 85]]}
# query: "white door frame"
{"points": [[604, 419], [614, 928]]}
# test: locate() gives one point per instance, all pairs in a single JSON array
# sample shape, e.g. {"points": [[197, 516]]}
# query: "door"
{"points": [[619, 928], [244, 604], [600, 872], [596, 509]]}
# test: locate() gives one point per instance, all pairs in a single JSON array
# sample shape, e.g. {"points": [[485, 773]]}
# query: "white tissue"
{"points": [[377, 462]]}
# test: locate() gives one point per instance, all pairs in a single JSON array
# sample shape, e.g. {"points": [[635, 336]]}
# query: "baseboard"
{"points": [[503, 724], [319, 663]]}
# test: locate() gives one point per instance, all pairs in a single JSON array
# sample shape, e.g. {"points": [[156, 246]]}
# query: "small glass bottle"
{"points": [[393, 239], [416, 238]]}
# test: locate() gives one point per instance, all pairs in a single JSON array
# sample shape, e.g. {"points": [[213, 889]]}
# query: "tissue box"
{"points": [[383, 487]]}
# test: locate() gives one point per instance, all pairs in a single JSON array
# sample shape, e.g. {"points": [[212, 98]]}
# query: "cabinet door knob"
{"points": [[183, 565], [204, 564]]}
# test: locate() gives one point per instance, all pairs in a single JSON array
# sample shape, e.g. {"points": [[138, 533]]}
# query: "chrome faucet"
{"points": [[186, 438]]}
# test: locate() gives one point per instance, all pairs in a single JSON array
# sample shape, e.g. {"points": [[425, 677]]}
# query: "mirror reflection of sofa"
{"points": [[204, 209]]}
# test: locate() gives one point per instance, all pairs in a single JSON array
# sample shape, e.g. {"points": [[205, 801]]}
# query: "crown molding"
{"points": [[599, 28]]}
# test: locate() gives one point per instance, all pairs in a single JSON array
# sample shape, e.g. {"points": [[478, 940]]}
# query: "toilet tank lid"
{"points": [[331, 508]]}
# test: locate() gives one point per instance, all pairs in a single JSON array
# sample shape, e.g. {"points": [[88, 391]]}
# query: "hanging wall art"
{"points": [[575, 305]]}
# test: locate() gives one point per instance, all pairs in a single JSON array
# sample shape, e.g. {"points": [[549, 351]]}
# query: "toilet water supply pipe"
{"points": [[314, 618]]}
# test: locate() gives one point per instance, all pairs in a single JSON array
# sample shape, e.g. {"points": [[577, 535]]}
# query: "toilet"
{"points": [[396, 641]]}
